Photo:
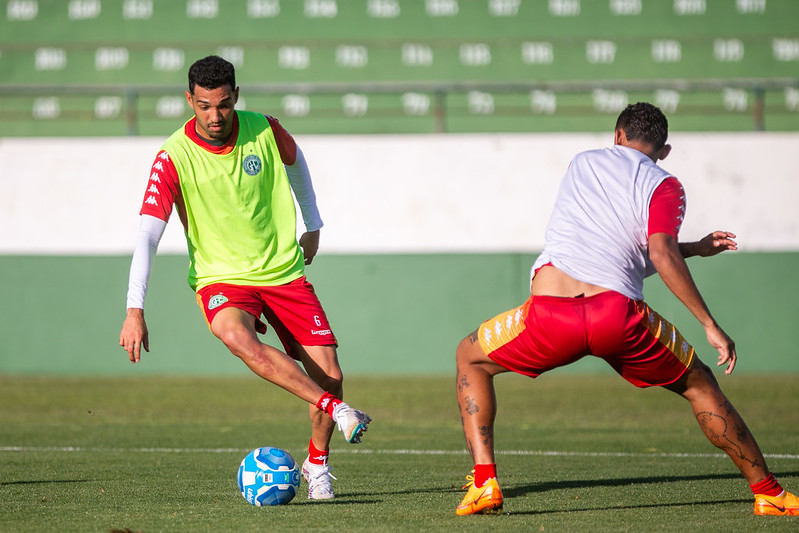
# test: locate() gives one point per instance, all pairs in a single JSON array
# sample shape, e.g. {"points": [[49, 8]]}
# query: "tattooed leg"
{"points": [[487, 432], [476, 398], [721, 423]]}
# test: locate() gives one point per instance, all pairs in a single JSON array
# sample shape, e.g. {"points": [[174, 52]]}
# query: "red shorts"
{"points": [[547, 332], [292, 309]]}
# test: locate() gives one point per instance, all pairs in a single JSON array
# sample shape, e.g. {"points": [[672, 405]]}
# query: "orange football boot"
{"points": [[786, 504], [481, 500]]}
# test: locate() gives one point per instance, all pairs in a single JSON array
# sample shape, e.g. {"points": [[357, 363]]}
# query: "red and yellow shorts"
{"points": [[293, 310], [547, 332]]}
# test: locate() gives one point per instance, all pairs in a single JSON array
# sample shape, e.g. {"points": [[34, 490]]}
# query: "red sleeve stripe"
{"points": [[162, 188], [667, 208], [285, 142]]}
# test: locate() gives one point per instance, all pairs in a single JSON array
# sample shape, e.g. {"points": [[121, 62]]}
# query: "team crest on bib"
{"points": [[216, 301], [252, 164]]}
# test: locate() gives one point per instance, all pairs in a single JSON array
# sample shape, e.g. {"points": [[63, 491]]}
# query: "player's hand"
{"points": [[134, 335], [309, 242], [725, 346], [715, 243]]}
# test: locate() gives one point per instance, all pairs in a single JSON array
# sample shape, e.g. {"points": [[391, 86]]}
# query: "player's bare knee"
{"points": [[464, 353], [228, 337], [702, 376], [237, 340], [698, 384]]}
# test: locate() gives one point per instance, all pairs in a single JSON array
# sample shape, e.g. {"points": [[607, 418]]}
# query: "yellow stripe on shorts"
{"points": [[202, 308], [503, 328], [667, 335]]}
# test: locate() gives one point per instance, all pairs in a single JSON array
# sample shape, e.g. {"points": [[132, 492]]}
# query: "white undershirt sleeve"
{"points": [[151, 229], [300, 181]]}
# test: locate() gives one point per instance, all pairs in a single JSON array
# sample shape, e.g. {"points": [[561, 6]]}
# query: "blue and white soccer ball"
{"points": [[269, 476]]}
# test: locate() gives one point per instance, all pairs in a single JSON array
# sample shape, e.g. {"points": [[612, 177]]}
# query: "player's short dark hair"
{"points": [[211, 72], [644, 122]]}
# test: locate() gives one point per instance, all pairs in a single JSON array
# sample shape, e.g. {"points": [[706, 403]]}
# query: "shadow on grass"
{"points": [[43, 482], [343, 500], [652, 505], [531, 488], [521, 490], [429, 490]]}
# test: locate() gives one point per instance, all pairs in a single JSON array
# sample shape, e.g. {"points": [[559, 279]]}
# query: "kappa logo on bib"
{"points": [[216, 300], [252, 164]]}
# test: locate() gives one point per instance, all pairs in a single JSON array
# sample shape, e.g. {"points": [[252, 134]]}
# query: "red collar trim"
{"points": [[191, 132]]}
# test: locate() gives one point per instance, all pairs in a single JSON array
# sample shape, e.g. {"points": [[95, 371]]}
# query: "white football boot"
{"points": [[318, 478], [351, 422]]}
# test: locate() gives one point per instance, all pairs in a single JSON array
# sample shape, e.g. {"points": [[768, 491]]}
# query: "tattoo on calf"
{"points": [[473, 337], [471, 407], [733, 446], [463, 383], [487, 432]]}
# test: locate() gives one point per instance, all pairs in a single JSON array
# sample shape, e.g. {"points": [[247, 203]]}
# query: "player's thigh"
{"points": [[643, 347], [236, 328], [218, 297]]}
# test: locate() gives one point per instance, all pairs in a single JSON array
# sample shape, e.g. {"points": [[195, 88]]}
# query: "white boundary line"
{"points": [[539, 453]]}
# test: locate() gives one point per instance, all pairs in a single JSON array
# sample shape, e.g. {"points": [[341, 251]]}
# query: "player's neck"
{"points": [[213, 142], [212, 145]]}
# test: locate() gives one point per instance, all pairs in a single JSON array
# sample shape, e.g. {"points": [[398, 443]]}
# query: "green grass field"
{"points": [[575, 453]]}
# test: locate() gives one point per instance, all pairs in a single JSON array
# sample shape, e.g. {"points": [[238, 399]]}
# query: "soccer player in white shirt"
{"points": [[615, 221]]}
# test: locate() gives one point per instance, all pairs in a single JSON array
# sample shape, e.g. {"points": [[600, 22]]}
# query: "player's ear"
{"points": [[235, 95], [188, 99], [664, 152], [619, 137]]}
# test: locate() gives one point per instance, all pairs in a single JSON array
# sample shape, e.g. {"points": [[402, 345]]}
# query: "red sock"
{"points": [[769, 486], [316, 456], [483, 473], [327, 403]]}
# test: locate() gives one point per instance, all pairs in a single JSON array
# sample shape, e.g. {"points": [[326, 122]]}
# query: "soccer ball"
{"points": [[269, 476]]}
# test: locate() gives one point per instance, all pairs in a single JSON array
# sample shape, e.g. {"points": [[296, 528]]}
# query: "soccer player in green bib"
{"points": [[231, 174]]}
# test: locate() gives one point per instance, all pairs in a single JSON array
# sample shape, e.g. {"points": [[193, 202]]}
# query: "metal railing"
{"points": [[440, 94]]}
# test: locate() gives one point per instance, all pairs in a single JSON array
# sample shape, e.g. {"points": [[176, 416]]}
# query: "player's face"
{"points": [[214, 110]]}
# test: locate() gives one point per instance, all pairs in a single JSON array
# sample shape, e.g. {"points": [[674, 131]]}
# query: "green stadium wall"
{"points": [[393, 314]]}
